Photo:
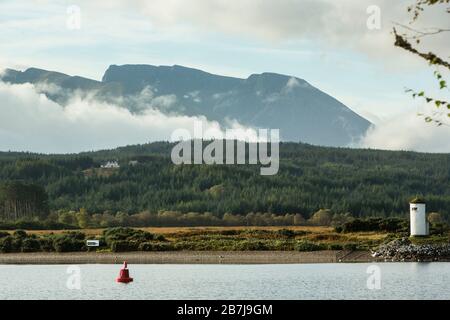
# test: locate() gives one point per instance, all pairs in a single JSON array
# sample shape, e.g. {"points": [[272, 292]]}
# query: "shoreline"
{"points": [[189, 257]]}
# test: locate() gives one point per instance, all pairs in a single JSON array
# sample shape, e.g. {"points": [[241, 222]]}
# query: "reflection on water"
{"points": [[307, 281]]}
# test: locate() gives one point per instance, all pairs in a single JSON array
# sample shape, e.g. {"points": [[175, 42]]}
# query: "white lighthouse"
{"points": [[418, 218]]}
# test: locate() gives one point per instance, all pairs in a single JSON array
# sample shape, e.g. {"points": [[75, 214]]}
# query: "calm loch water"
{"points": [[256, 282]]}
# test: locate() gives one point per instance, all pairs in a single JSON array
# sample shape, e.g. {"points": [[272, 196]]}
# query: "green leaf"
{"points": [[437, 103], [443, 84]]}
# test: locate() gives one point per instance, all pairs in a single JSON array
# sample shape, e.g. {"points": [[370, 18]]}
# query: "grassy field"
{"points": [[209, 245], [303, 238], [177, 231]]}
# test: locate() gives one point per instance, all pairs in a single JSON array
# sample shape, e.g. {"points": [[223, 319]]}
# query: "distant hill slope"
{"points": [[360, 182], [268, 100]]}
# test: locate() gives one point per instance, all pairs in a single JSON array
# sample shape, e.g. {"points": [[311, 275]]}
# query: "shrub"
{"points": [[16, 244], [286, 233], [46, 244], [230, 232], [76, 235], [185, 245], [375, 224], [322, 217], [438, 229], [35, 225], [250, 245], [3, 234], [282, 245], [335, 246], [69, 242], [155, 246], [124, 246], [10, 244], [68, 245], [31, 245], [20, 234], [350, 246], [308, 246], [393, 225], [160, 237], [6, 244], [128, 234], [435, 218]]}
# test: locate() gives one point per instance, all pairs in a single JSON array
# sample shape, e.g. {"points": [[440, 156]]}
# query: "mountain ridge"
{"points": [[267, 100]]}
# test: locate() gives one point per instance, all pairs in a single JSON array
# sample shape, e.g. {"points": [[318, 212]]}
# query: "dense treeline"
{"points": [[68, 220], [22, 201], [360, 182]]}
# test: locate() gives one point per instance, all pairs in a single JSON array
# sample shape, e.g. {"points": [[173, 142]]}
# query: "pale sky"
{"points": [[325, 42]]}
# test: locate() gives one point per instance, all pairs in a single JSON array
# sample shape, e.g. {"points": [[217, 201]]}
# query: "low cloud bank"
{"points": [[408, 132], [29, 121]]}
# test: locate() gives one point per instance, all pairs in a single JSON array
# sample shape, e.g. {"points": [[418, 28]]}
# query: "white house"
{"points": [[110, 165]]}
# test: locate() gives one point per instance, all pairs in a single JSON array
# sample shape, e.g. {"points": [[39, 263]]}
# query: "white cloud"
{"points": [[333, 24], [31, 122], [408, 131], [341, 24], [147, 99], [325, 27], [47, 87], [292, 83]]}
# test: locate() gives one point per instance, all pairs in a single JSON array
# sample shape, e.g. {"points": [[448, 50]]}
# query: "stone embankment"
{"points": [[404, 250]]}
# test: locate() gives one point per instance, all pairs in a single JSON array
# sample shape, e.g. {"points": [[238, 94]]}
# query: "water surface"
{"points": [[302, 281]]}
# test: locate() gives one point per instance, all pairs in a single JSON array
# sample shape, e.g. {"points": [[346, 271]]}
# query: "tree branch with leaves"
{"points": [[412, 35]]}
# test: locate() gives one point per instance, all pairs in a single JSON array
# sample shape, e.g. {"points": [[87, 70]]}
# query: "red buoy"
{"points": [[124, 275]]}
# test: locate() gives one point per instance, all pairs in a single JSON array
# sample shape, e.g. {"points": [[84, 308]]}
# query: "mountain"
{"points": [[274, 101]]}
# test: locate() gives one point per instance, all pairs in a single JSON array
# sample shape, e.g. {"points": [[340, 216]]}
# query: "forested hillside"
{"points": [[361, 182]]}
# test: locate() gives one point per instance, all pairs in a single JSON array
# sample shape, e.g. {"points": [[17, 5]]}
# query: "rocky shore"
{"points": [[400, 250], [404, 250]]}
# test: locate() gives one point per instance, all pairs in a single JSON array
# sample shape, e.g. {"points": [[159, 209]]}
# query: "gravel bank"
{"points": [[189, 257]]}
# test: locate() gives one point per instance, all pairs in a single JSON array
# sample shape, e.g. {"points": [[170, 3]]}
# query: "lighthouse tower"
{"points": [[418, 218]]}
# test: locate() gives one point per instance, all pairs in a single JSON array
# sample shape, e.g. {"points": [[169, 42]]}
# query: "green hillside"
{"points": [[361, 182]]}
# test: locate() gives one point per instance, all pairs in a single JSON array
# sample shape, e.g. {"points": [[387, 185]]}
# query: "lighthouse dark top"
{"points": [[417, 200]]}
